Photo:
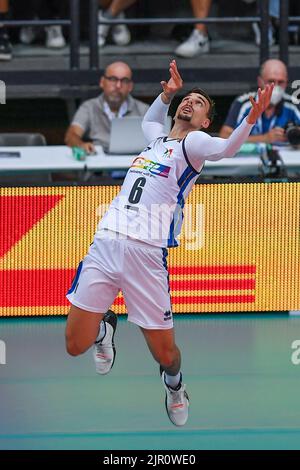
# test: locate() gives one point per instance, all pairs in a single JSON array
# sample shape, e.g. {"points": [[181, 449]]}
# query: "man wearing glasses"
{"points": [[93, 118]]}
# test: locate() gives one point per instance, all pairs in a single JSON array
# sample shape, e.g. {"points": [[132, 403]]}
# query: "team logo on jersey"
{"points": [[154, 168], [168, 153]]}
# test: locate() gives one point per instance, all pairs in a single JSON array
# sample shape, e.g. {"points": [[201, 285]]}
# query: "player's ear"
{"points": [[206, 123], [101, 82]]}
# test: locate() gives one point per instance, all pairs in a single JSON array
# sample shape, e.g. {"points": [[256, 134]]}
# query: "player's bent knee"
{"points": [[73, 348], [167, 359]]}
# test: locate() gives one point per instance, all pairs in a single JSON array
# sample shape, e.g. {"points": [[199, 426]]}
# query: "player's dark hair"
{"points": [[212, 111]]}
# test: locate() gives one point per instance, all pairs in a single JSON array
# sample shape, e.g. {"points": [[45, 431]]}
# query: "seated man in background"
{"points": [[5, 45], [94, 116], [270, 127]]}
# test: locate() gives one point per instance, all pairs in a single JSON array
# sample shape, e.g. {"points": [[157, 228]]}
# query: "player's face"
{"points": [[194, 109], [116, 84]]}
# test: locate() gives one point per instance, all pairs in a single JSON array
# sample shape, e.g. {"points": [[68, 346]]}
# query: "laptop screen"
{"points": [[126, 136]]}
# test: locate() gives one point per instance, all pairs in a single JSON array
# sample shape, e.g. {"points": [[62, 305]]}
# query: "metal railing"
{"points": [[77, 75], [262, 19]]}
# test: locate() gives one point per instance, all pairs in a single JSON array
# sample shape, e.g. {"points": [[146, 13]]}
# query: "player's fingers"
{"points": [[175, 70], [174, 65], [269, 92], [175, 75], [259, 94], [252, 102]]}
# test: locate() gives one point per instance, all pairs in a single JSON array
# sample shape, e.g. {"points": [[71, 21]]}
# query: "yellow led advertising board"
{"points": [[239, 250]]}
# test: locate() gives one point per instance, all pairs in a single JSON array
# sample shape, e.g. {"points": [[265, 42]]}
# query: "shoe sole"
{"points": [[112, 339], [112, 342]]}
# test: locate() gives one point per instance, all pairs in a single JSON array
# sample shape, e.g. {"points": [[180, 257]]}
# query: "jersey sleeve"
{"points": [[200, 146], [154, 120]]}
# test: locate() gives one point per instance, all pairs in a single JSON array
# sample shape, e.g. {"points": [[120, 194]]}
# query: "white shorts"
{"points": [[139, 270]]}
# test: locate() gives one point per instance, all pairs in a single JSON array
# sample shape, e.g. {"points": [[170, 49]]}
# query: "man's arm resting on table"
{"points": [[73, 138]]}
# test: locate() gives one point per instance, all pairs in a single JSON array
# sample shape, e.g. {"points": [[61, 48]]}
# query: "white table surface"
{"points": [[45, 158], [290, 158]]}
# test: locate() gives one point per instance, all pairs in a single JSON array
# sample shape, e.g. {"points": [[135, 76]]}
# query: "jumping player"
{"points": [[130, 245]]}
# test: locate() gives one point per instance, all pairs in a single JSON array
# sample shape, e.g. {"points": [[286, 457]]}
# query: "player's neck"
{"points": [[180, 131]]}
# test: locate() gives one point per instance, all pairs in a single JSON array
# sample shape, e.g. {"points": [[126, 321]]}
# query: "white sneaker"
{"points": [[104, 351], [120, 33], [103, 30], [54, 37], [257, 34], [196, 43], [177, 403]]}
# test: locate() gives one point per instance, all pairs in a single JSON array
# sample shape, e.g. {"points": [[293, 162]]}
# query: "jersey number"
{"points": [[136, 192]]}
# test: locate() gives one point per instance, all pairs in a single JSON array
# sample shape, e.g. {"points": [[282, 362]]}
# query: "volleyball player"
{"points": [[130, 245]]}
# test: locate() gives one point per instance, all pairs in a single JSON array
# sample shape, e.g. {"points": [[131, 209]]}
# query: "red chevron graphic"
{"points": [[19, 214], [221, 269]]}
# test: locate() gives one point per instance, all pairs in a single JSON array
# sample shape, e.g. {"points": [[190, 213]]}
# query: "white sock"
{"points": [[102, 332], [173, 380]]}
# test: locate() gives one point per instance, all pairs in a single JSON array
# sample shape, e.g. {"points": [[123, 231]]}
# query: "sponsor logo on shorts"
{"points": [[154, 168], [168, 315]]}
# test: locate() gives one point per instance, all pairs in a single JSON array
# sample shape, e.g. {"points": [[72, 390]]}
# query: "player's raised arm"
{"points": [[263, 101], [174, 84], [154, 119], [201, 146]]}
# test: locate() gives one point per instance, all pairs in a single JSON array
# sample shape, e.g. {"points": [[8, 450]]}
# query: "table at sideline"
{"points": [[59, 158]]}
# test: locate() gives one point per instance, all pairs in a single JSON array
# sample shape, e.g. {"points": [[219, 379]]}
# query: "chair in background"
{"points": [[13, 139], [17, 139]]}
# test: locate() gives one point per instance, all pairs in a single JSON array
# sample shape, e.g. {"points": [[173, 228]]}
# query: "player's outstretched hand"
{"points": [[174, 84], [263, 101]]}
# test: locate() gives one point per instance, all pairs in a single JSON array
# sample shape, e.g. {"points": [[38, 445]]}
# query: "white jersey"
{"points": [[150, 204]]}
